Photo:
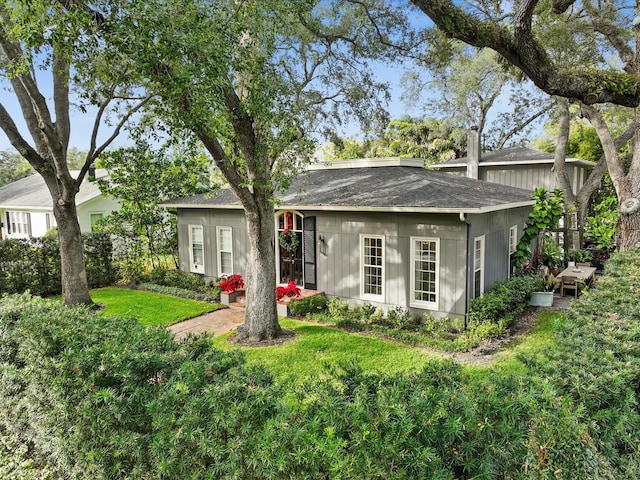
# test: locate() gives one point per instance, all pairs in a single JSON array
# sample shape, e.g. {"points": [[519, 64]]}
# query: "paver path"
{"points": [[217, 323]]}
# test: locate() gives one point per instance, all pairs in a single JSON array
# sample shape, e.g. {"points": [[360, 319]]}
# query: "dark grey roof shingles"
{"points": [[382, 187]]}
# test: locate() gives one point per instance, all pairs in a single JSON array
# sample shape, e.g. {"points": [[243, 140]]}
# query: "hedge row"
{"points": [[34, 264], [105, 398]]}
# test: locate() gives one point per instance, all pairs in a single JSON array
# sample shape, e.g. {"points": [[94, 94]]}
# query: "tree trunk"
{"points": [[261, 318], [75, 289], [628, 228]]}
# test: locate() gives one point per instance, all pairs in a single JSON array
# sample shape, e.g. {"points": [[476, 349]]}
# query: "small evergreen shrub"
{"points": [[308, 305], [505, 301]]}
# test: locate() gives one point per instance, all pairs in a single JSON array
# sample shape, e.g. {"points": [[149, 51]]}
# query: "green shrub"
{"points": [[178, 292], [34, 264], [307, 305], [107, 398], [505, 301]]}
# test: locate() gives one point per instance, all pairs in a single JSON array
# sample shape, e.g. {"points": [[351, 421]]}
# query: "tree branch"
{"points": [[610, 149], [522, 50], [19, 143]]}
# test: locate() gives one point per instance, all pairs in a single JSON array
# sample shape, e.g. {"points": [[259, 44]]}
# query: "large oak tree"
{"points": [[49, 59], [251, 81], [516, 31]]}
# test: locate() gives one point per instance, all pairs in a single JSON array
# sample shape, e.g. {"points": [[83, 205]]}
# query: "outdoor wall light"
{"points": [[323, 245]]}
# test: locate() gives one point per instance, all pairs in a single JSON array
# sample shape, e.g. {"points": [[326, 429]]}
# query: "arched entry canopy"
{"points": [[296, 248]]}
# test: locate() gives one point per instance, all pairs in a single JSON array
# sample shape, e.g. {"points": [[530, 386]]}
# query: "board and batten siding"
{"points": [[209, 219], [495, 228], [528, 177], [339, 260]]}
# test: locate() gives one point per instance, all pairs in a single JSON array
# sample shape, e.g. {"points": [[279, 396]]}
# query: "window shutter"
{"points": [[309, 233], [8, 223], [28, 219]]}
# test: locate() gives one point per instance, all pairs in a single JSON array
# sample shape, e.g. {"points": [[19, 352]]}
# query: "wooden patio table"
{"points": [[583, 273]]}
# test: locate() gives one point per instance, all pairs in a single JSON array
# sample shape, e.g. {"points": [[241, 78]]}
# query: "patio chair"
{"points": [[569, 283]]}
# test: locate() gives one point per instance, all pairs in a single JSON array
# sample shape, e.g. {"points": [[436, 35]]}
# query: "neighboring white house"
{"points": [[26, 209]]}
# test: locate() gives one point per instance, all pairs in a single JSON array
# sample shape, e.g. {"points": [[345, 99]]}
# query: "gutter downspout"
{"points": [[464, 219]]}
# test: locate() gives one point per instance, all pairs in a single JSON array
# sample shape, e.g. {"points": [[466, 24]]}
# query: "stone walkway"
{"points": [[218, 322]]}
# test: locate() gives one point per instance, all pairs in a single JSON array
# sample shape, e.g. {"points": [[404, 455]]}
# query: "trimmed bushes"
{"points": [[504, 302], [107, 398], [102, 398], [34, 264]]}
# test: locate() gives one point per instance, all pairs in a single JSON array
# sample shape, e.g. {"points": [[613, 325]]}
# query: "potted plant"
{"points": [[580, 256], [232, 287], [544, 297], [552, 256], [284, 295]]}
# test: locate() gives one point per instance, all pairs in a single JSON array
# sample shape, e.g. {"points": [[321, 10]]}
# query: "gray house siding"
{"points": [[528, 177], [209, 219], [495, 229], [339, 262]]}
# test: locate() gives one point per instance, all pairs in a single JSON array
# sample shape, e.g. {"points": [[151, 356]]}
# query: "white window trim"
{"points": [[421, 303], [513, 234], [193, 267], [369, 296], [220, 229], [475, 240]]}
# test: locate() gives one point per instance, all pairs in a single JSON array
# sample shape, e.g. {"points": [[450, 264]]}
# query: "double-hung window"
{"points": [[196, 248], [372, 267], [19, 224], [478, 266], [225, 250], [425, 258]]}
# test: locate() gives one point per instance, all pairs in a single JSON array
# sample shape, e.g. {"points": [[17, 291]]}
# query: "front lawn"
{"points": [[148, 307], [316, 348]]}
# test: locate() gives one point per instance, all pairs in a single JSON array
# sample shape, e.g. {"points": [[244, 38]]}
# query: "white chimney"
{"points": [[473, 152]]}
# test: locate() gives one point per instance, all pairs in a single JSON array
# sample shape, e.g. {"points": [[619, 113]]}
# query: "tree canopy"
{"points": [[580, 50]]}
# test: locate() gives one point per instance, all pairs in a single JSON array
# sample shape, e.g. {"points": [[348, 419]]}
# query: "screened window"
{"points": [[196, 248], [424, 272], [478, 266], [372, 270], [225, 251]]}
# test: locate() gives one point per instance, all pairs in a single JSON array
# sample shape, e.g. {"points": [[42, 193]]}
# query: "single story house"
{"points": [[26, 208], [383, 231], [516, 166]]}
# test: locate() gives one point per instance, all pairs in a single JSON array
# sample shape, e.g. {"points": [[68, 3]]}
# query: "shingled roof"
{"points": [[32, 193], [384, 188], [512, 156]]}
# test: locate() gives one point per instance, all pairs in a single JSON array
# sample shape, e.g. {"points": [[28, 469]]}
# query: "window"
{"points": [[425, 272], [513, 239], [478, 266], [19, 224], [225, 250], [513, 243], [94, 219], [372, 267], [196, 248]]}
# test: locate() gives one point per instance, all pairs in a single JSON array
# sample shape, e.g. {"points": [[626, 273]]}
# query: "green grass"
{"points": [[148, 307], [316, 347], [537, 340]]}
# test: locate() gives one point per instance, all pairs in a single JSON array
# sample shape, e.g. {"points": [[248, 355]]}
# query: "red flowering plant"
{"points": [[291, 290], [231, 283]]}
